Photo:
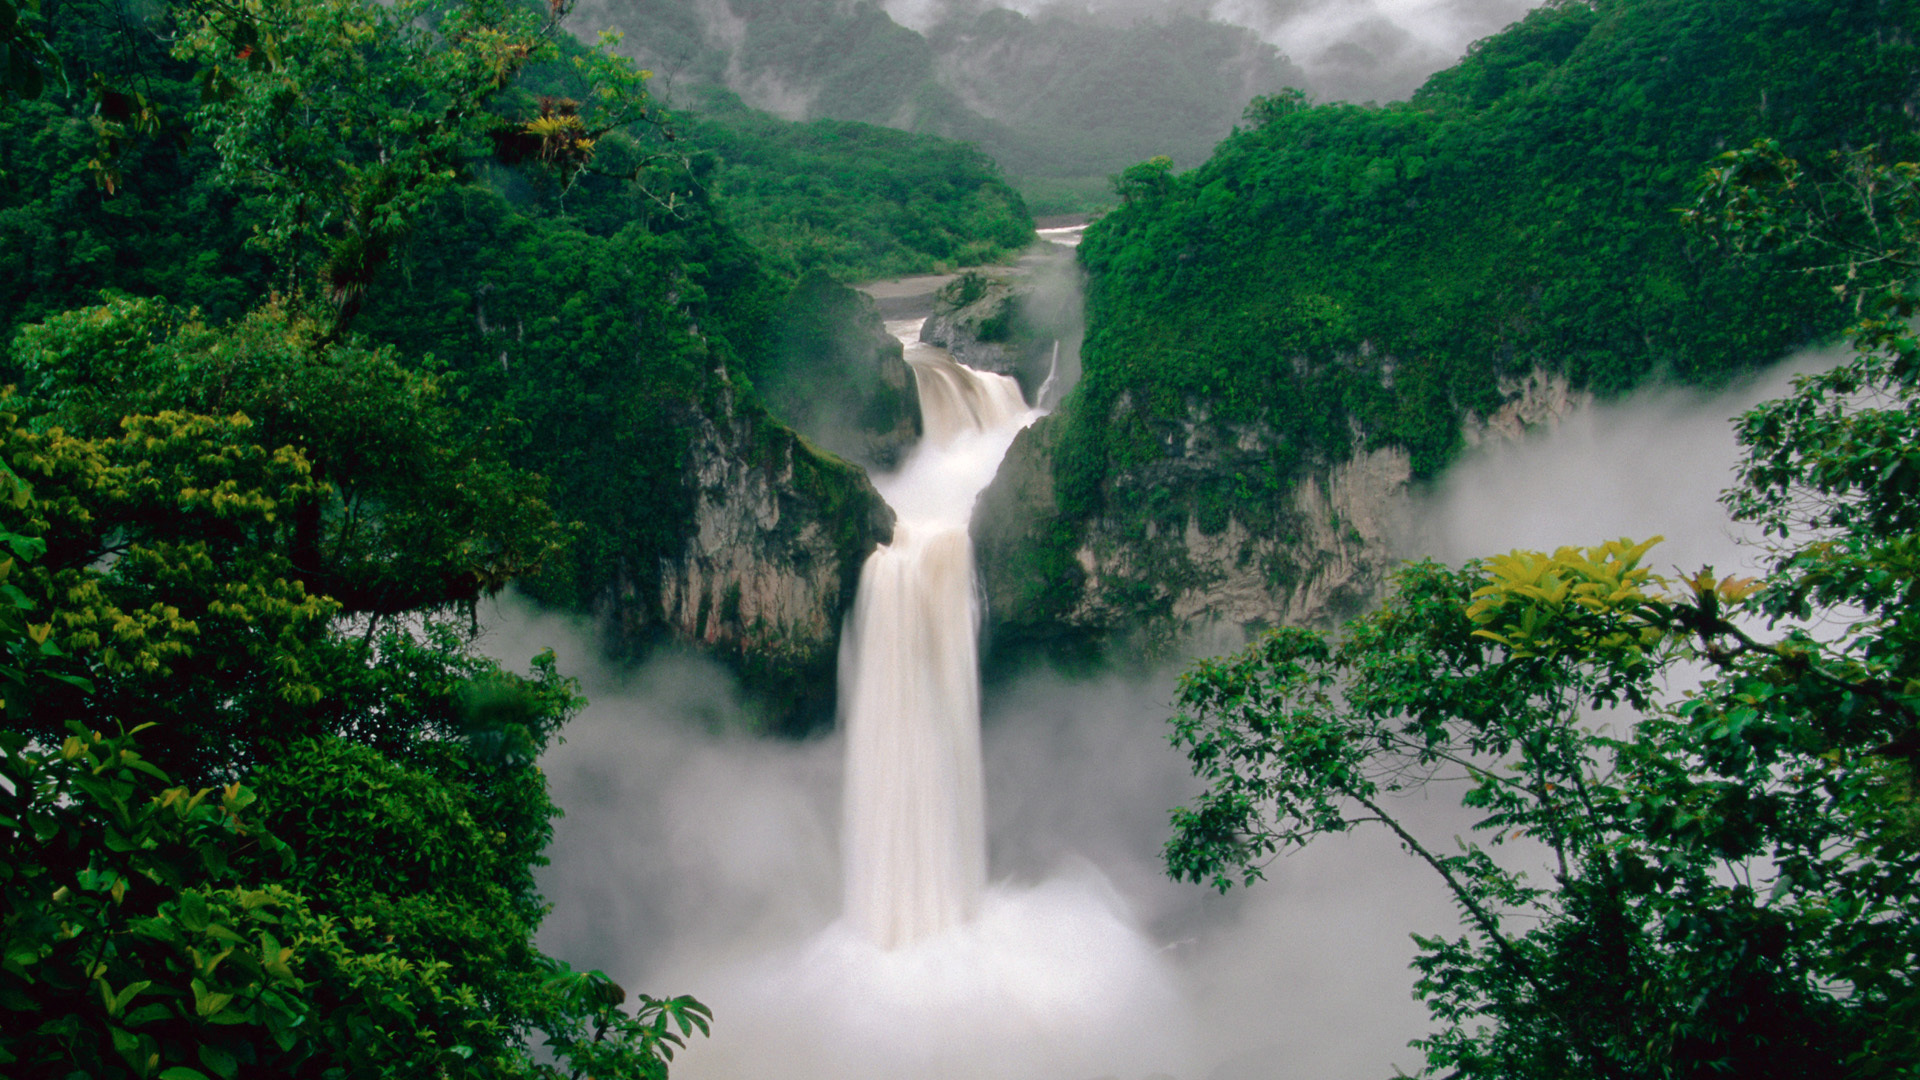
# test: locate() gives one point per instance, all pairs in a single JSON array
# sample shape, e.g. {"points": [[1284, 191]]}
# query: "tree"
{"points": [[348, 117], [1735, 878], [24, 46], [156, 625], [265, 810]]}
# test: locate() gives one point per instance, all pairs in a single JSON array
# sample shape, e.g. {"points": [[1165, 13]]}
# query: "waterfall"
{"points": [[913, 820], [930, 971], [1050, 389]]}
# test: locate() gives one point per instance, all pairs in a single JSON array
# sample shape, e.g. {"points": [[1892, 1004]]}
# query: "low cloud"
{"points": [[695, 858]]}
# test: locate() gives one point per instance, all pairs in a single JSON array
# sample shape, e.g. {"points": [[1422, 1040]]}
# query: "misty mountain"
{"points": [[1047, 96]]}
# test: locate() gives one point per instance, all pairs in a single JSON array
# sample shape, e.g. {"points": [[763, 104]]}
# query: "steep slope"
{"points": [[1334, 296], [608, 329]]}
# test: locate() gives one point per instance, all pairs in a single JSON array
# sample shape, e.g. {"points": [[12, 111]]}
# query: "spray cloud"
{"points": [[696, 859]]}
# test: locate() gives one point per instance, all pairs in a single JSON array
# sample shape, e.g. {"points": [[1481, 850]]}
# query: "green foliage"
{"points": [[156, 588], [132, 950], [206, 526], [1051, 196], [854, 200], [1538, 605], [588, 356], [1338, 270], [1265, 109], [348, 118], [23, 44], [1852, 225], [1733, 876], [129, 952], [418, 510], [1726, 877], [835, 375], [163, 229]]}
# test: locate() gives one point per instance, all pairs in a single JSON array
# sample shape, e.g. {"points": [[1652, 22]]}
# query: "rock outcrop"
{"points": [[838, 377], [1541, 398], [771, 556], [1024, 321], [1202, 535], [1318, 553], [976, 318]]}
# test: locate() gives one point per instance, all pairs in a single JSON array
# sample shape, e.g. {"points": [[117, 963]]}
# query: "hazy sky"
{"points": [[1355, 50]]}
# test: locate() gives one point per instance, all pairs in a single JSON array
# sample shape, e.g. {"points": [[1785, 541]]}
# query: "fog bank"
{"points": [[695, 859], [1350, 50]]}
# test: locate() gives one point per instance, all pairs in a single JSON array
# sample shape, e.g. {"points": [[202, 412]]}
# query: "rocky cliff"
{"points": [[836, 375], [976, 318], [1025, 320], [771, 556], [1201, 536]]}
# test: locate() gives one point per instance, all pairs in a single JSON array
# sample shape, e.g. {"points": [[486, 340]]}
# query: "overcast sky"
{"points": [[1351, 50]]}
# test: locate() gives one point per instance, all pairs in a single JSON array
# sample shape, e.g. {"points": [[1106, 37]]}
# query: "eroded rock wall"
{"points": [[1189, 541], [770, 557]]}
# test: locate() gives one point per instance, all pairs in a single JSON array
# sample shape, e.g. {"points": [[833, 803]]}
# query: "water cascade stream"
{"points": [[784, 883], [932, 973], [914, 829]]}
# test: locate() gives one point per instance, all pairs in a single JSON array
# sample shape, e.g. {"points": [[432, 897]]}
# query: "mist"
{"points": [[695, 858], [1371, 50], [1350, 50], [1651, 464]]}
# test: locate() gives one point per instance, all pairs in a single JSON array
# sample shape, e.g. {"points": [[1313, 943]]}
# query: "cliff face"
{"points": [[836, 375], [1173, 549], [1025, 321], [771, 556], [1319, 556], [1541, 398]]}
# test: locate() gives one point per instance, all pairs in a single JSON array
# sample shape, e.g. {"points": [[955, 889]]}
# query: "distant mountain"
{"points": [[1047, 96]]}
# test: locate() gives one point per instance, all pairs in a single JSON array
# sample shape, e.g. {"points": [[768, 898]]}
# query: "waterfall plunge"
{"points": [[913, 828], [930, 973]]}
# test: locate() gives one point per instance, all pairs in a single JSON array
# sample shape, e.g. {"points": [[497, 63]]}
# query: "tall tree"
{"points": [[264, 811]]}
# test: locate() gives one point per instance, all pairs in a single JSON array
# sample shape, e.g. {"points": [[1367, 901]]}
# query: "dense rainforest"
{"points": [[326, 318], [323, 321], [1340, 278], [1715, 773], [544, 291]]}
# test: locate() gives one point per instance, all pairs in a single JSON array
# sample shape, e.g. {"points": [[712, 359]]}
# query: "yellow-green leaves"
{"points": [[1592, 598]]}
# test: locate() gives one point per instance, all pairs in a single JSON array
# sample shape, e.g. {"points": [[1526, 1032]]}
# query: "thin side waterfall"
{"points": [[913, 820]]}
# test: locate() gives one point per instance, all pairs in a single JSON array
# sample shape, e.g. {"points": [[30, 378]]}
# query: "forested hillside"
{"points": [[324, 320], [550, 287], [853, 199], [1338, 279]]}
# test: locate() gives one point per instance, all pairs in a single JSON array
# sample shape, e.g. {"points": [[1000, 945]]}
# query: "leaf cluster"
{"points": [[1733, 867]]}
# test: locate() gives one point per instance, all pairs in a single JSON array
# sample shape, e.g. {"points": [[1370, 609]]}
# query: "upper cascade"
{"points": [[956, 400]]}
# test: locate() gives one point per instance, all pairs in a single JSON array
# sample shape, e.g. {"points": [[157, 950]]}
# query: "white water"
{"points": [[931, 973], [914, 821], [694, 859]]}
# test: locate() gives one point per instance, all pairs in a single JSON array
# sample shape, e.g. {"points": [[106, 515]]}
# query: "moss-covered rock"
{"points": [[836, 375]]}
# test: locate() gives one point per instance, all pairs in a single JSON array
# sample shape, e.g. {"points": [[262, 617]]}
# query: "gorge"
{"points": [[933, 955], [696, 857], [472, 559]]}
